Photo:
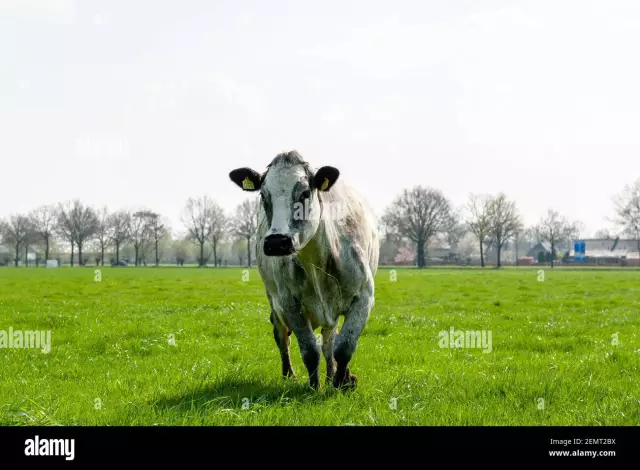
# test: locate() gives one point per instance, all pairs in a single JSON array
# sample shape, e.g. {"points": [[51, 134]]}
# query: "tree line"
{"points": [[419, 216], [422, 214], [77, 224]]}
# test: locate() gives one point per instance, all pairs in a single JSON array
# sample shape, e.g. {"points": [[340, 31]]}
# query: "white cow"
{"points": [[318, 260]]}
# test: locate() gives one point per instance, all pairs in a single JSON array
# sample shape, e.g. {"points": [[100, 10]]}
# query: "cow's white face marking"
{"points": [[292, 204]]}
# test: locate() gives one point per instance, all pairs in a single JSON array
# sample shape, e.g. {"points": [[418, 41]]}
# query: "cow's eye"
{"points": [[305, 195]]}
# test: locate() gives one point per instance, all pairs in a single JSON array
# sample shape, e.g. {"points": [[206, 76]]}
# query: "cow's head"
{"points": [[289, 192]]}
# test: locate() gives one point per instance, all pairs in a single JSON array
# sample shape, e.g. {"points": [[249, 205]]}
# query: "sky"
{"points": [[140, 104]]}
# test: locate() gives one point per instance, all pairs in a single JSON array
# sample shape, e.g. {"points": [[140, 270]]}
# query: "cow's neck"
{"points": [[311, 254]]}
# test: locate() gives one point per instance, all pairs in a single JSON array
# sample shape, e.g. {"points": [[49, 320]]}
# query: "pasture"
{"points": [[188, 346]]}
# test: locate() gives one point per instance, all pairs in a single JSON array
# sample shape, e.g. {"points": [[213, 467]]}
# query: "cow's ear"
{"points": [[246, 178], [325, 177]]}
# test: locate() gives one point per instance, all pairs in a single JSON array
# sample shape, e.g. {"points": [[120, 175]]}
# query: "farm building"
{"points": [[541, 251], [611, 251]]}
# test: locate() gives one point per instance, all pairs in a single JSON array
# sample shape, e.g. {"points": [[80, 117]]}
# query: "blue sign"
{"points": [[579, 250]]}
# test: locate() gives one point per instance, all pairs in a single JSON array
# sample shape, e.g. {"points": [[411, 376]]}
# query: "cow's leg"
{"points": [[328, 335], [281, 334], [347, 339], [309, 347]]}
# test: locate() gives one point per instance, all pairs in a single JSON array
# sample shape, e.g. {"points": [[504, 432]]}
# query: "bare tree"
{"points": [[246, 222], [4, 240], [119, 227], [219, 225], [505, 222], [43, 221], [456, 231], [103, 231], [31, 239], [554, 229], [478, 219], [420, 214], [157, 230], [197, 219], [181, 251], [145, 247], [85, 223], [139, 232], [65, 227], [15, 232], [627, 207]]}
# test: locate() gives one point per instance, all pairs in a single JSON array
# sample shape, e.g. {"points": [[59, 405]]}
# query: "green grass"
{"points": [[551, 340]]}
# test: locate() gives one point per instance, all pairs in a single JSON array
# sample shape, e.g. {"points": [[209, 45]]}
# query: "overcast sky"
{"points": [[143, 104]]}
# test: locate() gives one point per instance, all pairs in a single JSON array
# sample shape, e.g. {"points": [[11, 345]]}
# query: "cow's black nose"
{"points": [[278, 245]]}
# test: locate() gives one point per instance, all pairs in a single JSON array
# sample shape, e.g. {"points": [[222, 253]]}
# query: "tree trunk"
{"points": [[46, 249], [136, 248], [421, 244], [26, 255], [102, 254], [481, 253], [72, 251], [157, 258], [80, 254], [215, 252], [498, 249], [552, 253], [202, 254], [249, 251], [15, 261], [117, 252]]}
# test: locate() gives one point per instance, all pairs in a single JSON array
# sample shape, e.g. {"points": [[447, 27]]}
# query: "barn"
{"points": [[609, 251]]}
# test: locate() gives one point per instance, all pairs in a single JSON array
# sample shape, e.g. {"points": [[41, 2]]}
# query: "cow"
{"points": [[316, 264]]}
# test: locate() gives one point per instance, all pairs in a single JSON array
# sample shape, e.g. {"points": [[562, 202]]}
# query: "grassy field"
{"points": [[564, 351]]}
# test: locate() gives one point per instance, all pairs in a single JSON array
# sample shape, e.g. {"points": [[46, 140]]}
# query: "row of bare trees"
{"points": [[495, 220], [422, 214], [208, 224], [76, 224]]}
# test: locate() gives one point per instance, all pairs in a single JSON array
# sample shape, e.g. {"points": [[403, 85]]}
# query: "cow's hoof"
{"points": [[289, 374], [348, 382]]}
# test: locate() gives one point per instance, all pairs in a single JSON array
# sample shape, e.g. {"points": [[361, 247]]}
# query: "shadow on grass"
{"points": [[231, 392]]}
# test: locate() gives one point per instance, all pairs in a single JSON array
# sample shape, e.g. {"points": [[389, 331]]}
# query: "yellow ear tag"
{"points": [[325, 185], [247, 183]]}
